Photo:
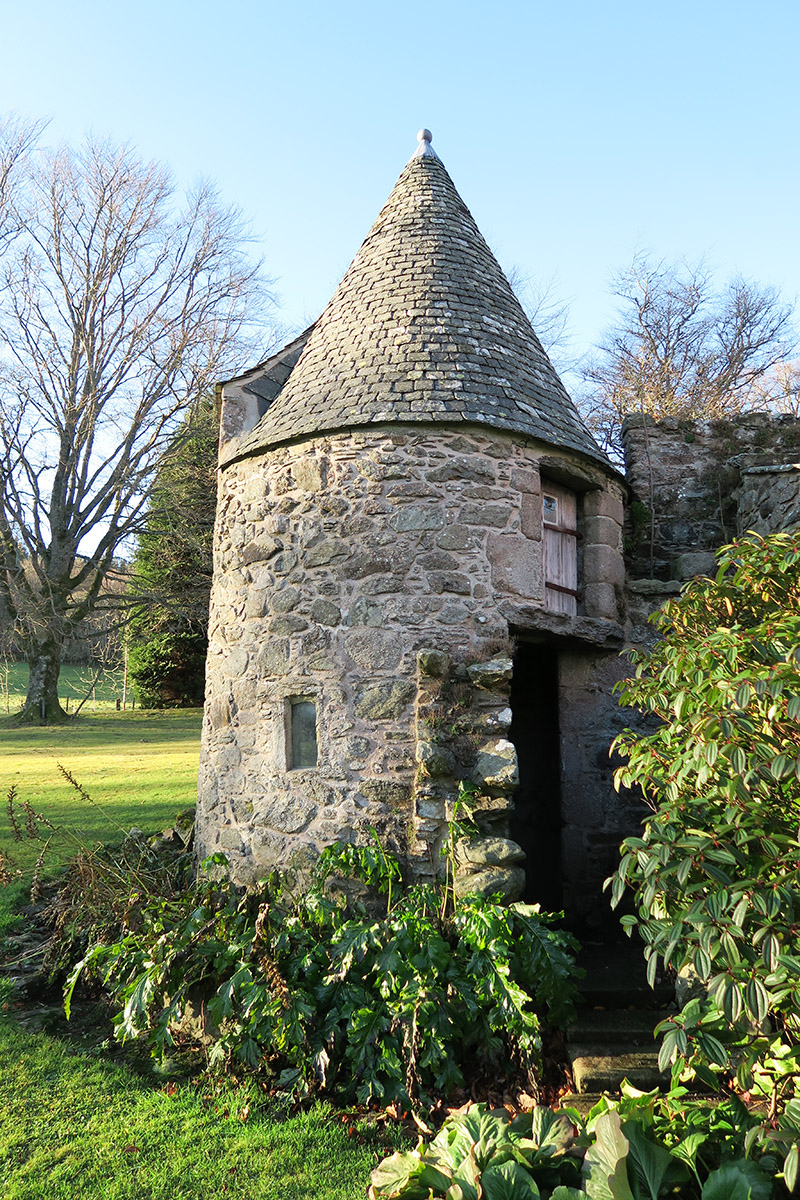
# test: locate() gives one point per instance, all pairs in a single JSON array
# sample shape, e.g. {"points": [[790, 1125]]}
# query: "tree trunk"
{"points": [[42, 703]]}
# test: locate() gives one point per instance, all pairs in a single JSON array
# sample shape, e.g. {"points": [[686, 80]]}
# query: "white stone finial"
{"points": [[424, 148]]}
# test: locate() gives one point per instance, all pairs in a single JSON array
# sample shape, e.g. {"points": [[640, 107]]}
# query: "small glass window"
{"points": [[302, 734]]}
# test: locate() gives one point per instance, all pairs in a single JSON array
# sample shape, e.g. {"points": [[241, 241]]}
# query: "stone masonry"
{"points": [[338, 561], [696, 485], [383, 648], [381, 555]]}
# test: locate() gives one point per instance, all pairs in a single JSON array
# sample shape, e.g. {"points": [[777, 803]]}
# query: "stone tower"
{"points": [[418, 574]]}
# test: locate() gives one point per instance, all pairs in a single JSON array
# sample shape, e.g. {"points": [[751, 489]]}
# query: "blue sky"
{"points": [[576, 133]]}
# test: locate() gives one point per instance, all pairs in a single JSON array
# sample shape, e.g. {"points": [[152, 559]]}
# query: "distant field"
{"points": [[73, 685], [140, 768]]}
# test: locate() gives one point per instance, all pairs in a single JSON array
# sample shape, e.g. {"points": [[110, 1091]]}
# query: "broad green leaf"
{"points": [[710, 753], [477, 1132], [741, 1180], [701, 962], [770, 950], [713, 1049], [729, 999], [461, 1191], [652, 967], [604, 1167], [756, 999], [744, 1077], [404, 1175], [790, 1167], [684, 869], [780, 766], [550, 1131], [654, 1165], [668, 1050], [738, 760], [688, 1147], [508, 1181], [467, 1181]]}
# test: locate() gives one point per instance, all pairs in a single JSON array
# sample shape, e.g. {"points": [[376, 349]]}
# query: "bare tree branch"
{"points": [[680, 349], [17, 138], [118, 310], [547, 312]]}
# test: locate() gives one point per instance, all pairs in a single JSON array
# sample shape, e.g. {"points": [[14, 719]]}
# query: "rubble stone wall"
{"points": [[769, 495], [696, 485], [693, 491], [337, 559]]}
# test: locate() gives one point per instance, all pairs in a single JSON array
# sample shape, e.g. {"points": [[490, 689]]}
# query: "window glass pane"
{"points": [[303, 721]]}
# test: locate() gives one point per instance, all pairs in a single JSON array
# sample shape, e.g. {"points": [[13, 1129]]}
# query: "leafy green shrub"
{"points": [[715, 873], [387, 1007], [639, 1147]]}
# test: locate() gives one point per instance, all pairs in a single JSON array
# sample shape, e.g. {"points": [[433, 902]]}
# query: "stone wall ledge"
{"points": [[595, 631], [771, 469], [654, 587]]}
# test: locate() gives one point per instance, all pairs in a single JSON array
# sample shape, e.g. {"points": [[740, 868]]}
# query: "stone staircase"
{"points": [[612, 1036]]}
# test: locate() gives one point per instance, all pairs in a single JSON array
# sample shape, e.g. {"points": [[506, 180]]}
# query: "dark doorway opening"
{"points": [[536, 821]]}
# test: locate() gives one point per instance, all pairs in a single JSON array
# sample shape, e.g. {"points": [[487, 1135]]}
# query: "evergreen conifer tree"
{"points": [[168, 634]]}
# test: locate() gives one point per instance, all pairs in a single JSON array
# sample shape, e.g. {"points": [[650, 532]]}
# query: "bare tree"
{"points": [[547, 312], [117, 310], [779, 390], [681, 349], [17, 136]]}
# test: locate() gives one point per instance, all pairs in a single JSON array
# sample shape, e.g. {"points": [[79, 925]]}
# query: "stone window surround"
{"points": [[282, 727], [289, 705]]}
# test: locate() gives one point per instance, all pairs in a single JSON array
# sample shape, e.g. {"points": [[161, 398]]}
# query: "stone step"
{"points": [[616, 978], [611, 1038], [614, 1026], [594, 1071], [581, 1101]]}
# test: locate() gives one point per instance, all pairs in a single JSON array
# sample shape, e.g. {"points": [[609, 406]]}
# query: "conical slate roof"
{"points": [[423, 327]]}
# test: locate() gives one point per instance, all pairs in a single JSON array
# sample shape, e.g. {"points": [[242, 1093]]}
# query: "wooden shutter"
{"points": [[560, 548]]}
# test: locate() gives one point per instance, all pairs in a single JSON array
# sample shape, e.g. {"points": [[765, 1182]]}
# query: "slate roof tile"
{"points": [[423, 327]]}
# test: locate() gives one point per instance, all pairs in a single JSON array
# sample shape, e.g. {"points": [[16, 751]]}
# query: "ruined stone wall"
{"points": [[696, 485], [768, 497], [337, 560]]}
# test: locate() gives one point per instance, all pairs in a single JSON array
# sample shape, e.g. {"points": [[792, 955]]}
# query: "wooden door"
{"points": [[560, 548]]}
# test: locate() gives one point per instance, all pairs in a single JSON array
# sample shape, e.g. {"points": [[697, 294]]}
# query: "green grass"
{"points": [[74, 1122], [140, 768], [77, 1127], [73, 684]]}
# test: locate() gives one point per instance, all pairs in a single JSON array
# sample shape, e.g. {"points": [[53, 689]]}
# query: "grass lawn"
{"points": [[139, 768], [73, 685], [74, 1126], [77, 1123]]}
